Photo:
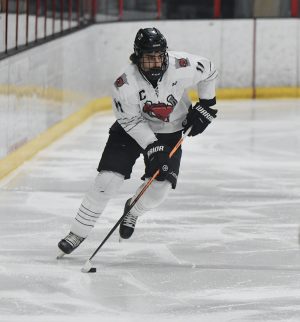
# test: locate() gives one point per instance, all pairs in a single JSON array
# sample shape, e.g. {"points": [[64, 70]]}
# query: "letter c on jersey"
{"points": [[142, 95]]}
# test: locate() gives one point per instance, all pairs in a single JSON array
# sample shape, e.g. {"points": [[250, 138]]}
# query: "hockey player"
{"points": [[152, 109]]}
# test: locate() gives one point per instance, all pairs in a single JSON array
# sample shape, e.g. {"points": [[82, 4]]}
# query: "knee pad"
{"points": [[106, 184]]}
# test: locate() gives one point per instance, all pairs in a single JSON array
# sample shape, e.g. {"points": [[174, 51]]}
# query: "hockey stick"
{"points": [[87, 268]]}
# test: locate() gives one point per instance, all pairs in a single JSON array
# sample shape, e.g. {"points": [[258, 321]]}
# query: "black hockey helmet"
{"points": [[149, 40]]}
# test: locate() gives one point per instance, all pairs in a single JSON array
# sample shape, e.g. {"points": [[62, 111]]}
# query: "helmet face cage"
{"points": [[150, 41], [147, 60]]}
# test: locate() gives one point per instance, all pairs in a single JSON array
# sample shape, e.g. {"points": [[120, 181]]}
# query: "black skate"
{"points": [[69, 243], [128, 223]]}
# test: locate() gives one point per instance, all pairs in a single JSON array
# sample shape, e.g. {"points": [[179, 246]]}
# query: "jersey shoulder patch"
{"points": [[182, 62], [120, 81]]}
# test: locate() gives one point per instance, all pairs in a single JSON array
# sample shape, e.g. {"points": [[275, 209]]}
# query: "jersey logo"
{"points": [[160, 111], [182, 62], [121, 81]]}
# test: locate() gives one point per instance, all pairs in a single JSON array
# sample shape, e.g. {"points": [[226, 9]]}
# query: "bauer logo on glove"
{"points": [[157, 158], [155, 149]]}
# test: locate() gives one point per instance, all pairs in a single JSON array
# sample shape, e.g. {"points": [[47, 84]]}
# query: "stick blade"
{"points": [[87, 268]]}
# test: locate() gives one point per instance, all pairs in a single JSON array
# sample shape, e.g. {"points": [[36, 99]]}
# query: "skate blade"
{"points": [[60, 255], [121, 240]]}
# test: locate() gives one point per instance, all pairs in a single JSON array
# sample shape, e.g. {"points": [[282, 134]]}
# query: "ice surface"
{"points": [[222, 247]]}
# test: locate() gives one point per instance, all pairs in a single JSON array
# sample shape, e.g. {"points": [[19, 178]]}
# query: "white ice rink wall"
{"points": [[265, 54], [42, 86]]}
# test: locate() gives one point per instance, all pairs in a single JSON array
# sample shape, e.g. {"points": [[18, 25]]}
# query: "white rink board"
{"points": [[26, 109], [277, 53]]}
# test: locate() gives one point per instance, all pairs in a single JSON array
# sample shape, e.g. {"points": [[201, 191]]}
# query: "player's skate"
{"points": [[128, 223], [69, 243]]}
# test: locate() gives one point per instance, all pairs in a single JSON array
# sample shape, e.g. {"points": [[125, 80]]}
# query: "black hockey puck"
{"points": [[93, 270]]}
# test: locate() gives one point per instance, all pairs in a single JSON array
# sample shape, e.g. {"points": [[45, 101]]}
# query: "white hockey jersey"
{"points": [[143, 110]]}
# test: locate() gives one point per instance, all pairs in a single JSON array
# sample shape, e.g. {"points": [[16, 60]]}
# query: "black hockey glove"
{"points": [[157, 158], [199, 117]]}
